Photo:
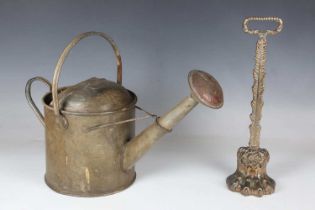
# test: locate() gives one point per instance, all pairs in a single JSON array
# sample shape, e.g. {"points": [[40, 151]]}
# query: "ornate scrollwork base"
{"points": [[251, 177]]}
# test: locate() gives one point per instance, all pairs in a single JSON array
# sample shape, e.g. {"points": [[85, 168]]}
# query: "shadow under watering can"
{"points": [[91, 147]]}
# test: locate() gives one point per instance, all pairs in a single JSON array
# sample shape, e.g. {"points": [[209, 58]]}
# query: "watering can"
{"points": [[91, 147]]}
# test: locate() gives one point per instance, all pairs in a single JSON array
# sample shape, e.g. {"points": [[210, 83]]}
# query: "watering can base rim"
{"points": [[91, 194]]}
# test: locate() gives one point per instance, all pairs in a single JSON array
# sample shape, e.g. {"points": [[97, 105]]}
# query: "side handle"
{"points": [[29, 98]]}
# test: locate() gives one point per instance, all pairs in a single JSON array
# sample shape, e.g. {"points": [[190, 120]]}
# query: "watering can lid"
{"points": [[95, 95]]}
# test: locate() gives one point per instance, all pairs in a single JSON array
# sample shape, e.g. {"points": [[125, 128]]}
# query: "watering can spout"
{"points": [[204, 89]]}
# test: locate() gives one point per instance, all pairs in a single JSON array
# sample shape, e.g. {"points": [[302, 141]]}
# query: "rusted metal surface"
{"points": [[206, 89], [251, 177], [91, 146]]}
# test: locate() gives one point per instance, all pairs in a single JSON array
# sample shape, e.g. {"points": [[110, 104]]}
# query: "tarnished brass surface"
{"points": [[91, 147], [87, 163], [95, 95], [250, 177]]}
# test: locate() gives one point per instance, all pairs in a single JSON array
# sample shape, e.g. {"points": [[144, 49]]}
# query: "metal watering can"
{"points": [[91, 147]]}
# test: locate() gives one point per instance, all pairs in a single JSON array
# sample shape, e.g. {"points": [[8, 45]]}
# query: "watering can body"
{"points": [[87, 163]]}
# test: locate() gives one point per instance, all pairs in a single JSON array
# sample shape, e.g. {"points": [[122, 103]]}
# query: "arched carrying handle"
{"points": [[61, 61], [263, 32], [29, 98]]}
